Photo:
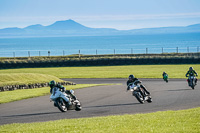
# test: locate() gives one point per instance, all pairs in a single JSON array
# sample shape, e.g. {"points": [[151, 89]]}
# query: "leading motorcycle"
{"points": [[64, 101], [191, 81], [139, 92]]}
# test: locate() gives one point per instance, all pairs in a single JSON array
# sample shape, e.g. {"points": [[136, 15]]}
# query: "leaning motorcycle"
{"points": [[137, 91], [191, 81], [165, 77], [64, 101]]}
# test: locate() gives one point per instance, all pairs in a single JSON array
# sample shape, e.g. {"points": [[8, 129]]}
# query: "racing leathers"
{"points": [[191, 73]]}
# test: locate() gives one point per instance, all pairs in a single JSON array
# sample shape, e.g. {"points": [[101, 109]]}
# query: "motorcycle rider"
{"points": [[132, 79], [53, 84], [164, 74], [191, 72]]}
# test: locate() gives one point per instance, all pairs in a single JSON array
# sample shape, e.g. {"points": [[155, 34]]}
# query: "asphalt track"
{"points": [[104, 101]]}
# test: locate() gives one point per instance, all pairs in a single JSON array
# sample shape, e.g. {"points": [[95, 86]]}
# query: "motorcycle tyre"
{"points": [[138, 98], [192, 87], [58, 104], [149, 100], [78, 107]]}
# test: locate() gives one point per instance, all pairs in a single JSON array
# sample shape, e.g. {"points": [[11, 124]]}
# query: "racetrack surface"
{"points": [[104, 101]]}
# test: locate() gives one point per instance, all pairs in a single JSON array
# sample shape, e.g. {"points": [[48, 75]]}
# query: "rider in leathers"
{"points": [[53, 84], [132, 79], [191, 72]]}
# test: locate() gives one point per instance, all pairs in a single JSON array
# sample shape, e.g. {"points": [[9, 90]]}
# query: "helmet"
{"points": [[131, 76], [52, 83], [191, 68], [164, 73]]}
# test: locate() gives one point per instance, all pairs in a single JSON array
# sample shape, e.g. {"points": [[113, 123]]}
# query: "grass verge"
{"points": [[140, 71], [10, 96], [187, 121]]}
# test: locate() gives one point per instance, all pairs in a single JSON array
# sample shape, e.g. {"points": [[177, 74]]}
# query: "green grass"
{"points": [[182, 121], [10, 96], [25, 78], [140, 71]]}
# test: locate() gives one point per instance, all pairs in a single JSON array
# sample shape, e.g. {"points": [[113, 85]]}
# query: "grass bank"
{"points": [[25, 78], [140, 71], [10, 96], [182, 121]]}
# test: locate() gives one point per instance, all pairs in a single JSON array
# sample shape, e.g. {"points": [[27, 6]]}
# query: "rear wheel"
{"points": [[61, 105], [149, 99], [78, 106]]}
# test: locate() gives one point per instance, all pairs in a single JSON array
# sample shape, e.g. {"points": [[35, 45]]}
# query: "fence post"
{"points": [[96, 52], [79, 54], [63, 53], [198, 49], [29, 54], [146, 50], [13, 54], [114, 51], [49, 53], [176, 49], [188, 49], [131, 50], [39, 53], [162, 50]]}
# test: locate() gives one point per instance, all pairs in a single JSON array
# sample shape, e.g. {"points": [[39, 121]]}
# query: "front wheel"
{"points": [[139, 97], [192, 87], [192, 84], [61, 105]]}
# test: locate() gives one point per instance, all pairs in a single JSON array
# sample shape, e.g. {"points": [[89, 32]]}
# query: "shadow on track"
{"points": [[36, 114], [113, 105], [180, 90]]}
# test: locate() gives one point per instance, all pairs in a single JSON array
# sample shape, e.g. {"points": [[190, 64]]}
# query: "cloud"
{"points": [[137, 17], [101, 17]]}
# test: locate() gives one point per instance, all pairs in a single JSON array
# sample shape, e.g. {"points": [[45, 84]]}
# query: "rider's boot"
{"points": [[142, 86]]}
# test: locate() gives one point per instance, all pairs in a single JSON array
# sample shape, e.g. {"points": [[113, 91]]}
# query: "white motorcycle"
{"points": [[137, 91], [64, 101]]}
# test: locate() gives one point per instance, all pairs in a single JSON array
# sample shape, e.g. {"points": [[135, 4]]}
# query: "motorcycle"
{"points": [[137, 91], [64, 101], [165, 77], [191, 81]]}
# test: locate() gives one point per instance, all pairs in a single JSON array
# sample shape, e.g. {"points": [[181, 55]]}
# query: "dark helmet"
{"points": [[191, 68], [131, 76], [164, 72], [52, 83]]}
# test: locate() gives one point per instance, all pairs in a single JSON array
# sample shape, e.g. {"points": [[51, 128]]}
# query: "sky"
{"points": [[118, 14]]}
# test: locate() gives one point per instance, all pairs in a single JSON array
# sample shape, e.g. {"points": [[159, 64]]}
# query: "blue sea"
{"points": [[92, 45]]}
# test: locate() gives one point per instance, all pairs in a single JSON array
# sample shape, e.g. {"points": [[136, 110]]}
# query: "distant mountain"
{"points": [[35, 27], [72, 28], [167, 30], [67, 25]]}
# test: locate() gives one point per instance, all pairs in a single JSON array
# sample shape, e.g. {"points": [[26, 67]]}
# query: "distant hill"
{"points": [[72, 28]]}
